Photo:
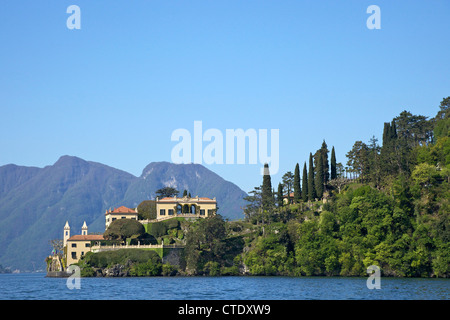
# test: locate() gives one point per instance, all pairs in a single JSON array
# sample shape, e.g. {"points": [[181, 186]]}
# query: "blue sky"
{"points": [[115, 90]]}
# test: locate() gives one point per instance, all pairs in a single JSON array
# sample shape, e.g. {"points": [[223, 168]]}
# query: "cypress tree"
{"points": [[297, 188], [386, 133], [325, 166], [311, 187], [393, 131], [319, 179], [266, 191], [333, 164], [305, 184], [280, 195]]}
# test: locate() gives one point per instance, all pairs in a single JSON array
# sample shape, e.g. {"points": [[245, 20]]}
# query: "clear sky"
{"points": [[115, 90]]}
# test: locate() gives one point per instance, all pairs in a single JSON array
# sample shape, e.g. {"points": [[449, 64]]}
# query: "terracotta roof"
{"points": [[89, 237], [121, 209], [291, 195]]}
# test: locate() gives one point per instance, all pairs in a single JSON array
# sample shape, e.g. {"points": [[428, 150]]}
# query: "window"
{"points": [[87, 245], [74, 245], [202, 212], [210, 212], [124, 217], [162, 212], [67, 233], [113, 219], [170, 212], [74, 255]]}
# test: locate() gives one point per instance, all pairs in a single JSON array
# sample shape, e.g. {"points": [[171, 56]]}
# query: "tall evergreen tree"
{"points": [[266, 191], [305, 184], [311, 187], [333, 164], [386, 133], [325, 165], [288, 181], [319, 179], [280, 195], [297, 188]]}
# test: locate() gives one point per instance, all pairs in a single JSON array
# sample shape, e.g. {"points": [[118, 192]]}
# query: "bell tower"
{"points": [[84, 229], [66, 233]]}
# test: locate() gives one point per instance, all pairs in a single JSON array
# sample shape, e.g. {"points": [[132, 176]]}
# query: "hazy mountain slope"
{"points": [[195, 178], [35, 203], [33, 212]]}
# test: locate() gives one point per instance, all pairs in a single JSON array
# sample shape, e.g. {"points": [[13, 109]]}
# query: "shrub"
{"points": [[124, 228], [122, 256], [147, 209], [212, 268], [169, 270], [230, 271], [150, 268], [158, 229]]}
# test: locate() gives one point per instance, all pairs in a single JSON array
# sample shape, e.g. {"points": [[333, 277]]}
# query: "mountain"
{"points": [[35, 202], [195, 178]]}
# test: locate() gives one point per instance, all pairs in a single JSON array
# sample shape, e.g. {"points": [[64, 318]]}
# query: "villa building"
{"points": [[120, 213], [197, 207], [78, 245]]}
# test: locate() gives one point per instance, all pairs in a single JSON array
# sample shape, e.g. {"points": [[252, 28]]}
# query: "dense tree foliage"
{"points": [[147, 210], [389, 207], [167, 192], [123, 228]]}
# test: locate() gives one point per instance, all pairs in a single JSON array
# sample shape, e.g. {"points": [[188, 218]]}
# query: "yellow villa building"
{"points": [[120, 213], [199, 207], [77, 246]]}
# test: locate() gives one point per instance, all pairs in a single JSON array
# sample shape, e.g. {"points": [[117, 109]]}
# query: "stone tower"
{"points": [[66, 233]]}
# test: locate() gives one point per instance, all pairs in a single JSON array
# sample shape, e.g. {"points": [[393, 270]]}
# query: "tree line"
{"points": [[388, 206]]}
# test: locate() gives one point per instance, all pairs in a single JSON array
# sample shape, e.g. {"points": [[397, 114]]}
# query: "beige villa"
{"points": [[120, 213], [77, 246], [197, 207]]}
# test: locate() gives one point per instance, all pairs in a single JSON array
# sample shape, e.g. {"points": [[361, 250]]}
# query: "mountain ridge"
{"points": [[36, 202]]}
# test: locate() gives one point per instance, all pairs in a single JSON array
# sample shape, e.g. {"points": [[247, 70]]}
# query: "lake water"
{"points": [[35, 286]]}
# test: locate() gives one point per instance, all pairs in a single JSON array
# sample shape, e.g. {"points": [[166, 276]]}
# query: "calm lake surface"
{"points": [[35, 286]]}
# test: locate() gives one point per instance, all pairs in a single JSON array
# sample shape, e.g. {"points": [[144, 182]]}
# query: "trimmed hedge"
{"points": [[121, 256]]}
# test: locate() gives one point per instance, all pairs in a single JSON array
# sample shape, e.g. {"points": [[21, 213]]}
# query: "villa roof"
{"points": [[186, 199], [89, 237], [121, 209]]}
